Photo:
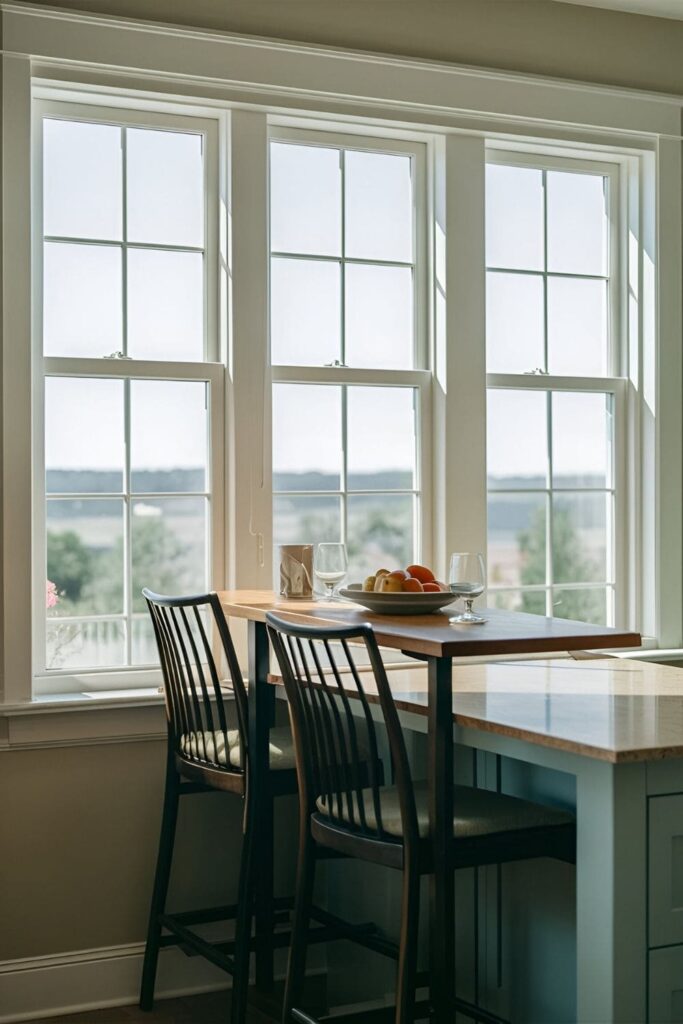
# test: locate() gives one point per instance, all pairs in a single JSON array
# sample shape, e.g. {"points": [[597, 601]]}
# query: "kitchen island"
{"points": [[604, 735]]}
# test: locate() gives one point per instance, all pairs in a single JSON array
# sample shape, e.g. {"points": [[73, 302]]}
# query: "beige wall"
{"points": [[79, 829], [534, 36]]}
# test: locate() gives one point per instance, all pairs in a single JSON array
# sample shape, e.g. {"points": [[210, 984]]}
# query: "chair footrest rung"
{"points": [[195, 942], [206, 915], [365, 934]]}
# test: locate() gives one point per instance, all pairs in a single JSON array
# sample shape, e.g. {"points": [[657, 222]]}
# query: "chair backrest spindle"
{"points": [[337, 750], [193, 689]]}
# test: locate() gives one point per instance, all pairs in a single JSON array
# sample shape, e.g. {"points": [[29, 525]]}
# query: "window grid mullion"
{"points": [[124, 241], [342, 283], [345, 464], [127, 534], [316, 257], [549, 575], [545, 270]]}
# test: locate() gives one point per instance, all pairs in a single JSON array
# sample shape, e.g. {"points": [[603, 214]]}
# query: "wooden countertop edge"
{"points": [[446, 649]]}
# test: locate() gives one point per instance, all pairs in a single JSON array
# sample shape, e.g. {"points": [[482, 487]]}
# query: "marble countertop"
{"points": [[612, 709]]}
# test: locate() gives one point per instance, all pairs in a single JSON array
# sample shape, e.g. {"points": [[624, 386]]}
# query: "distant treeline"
{"points": [[506, 512]]}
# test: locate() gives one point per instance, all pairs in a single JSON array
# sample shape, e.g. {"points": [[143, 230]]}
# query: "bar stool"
{"points": [[204, 754], [383, 824]]}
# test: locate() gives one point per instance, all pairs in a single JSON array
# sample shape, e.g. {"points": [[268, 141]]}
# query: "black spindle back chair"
{"points": [[206, 752], [349, 810], [337, 751], [195, 690]]}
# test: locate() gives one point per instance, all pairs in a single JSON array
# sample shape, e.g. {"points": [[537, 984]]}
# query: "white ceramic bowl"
{"points": [[397, 604]]}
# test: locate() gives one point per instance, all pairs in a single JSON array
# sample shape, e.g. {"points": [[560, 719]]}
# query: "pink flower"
{"points": [[51, 595]]}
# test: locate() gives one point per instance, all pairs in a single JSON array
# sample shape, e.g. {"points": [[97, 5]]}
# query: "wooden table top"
{"points": [[503, 633]]}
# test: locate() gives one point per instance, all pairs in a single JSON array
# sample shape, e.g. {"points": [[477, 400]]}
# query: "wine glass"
{"points": [[331, 563], [467, 579]]}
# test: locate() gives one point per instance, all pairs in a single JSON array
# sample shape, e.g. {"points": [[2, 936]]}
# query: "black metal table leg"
{"points": [[261, 714], [442, 893]]}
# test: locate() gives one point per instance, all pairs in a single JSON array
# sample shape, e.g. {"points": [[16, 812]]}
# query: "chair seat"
{"points": [[478, 812], [211, 747]]}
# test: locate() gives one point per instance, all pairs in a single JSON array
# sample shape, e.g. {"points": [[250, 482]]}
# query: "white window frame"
{"points": [[419, 379], [613, 383], [211, 371]]}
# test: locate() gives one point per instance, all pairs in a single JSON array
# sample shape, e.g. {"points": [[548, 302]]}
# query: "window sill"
{"points": [[74, 719]]}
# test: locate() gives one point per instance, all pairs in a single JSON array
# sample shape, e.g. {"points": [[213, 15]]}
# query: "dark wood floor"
{"points": [[211, 1008]]}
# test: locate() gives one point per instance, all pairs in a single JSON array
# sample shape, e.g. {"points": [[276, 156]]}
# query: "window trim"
{"points": [[210, 371]]}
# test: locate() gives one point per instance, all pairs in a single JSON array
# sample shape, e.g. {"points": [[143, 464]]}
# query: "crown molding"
{"points": [[285, 70]]}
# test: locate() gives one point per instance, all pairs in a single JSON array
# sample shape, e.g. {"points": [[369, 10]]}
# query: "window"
{"points": [[130, 461], [347, 336], [554, 397]]}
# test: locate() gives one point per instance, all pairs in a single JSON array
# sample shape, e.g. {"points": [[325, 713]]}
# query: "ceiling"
{"points": [[656, 8]]}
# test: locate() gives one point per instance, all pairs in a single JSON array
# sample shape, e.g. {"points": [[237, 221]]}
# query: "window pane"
{"points": [[381, 438], [305, 312], [168, 547], [517, 448], [168, 435], [516, 539], [305, 199], [514, 323], [577, 223], [82, 300], [81, 645], [580, 538], [514, 217], [380, 533], [305, 519], [379, 207], [143, 642], [307, 438], [581, 440], [165, 305], [84, 435], [165, 197], [533, 602], [588, 605], [85, 556], [577, 327], [82, 174], [379, 316]]}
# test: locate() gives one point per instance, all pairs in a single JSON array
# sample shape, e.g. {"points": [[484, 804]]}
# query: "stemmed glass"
{"points": [[467, 579], [331, 563]]}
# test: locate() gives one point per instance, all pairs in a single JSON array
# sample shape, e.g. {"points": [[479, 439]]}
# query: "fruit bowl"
{"points": [[397, 603]]}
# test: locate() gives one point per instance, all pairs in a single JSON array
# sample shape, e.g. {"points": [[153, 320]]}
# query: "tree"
{"points": [[69, 564], [570, 565]]}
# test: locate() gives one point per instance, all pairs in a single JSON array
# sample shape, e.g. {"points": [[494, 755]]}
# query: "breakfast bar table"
{"points": [[432, 639]]}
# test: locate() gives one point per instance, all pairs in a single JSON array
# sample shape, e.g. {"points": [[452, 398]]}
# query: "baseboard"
{"points": [[50, 986]]}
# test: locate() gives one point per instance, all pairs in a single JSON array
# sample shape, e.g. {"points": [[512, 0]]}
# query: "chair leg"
{"points": [[161, 879], [303, 899], [243, 922], [407, 956]]}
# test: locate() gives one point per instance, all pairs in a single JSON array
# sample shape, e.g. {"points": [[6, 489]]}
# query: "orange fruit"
{"points": [[412, 585], [431, 588], [399, 574], [421, 573]]}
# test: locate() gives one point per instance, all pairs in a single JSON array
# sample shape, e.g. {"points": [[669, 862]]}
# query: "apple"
{"points": [[389, 584]]}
